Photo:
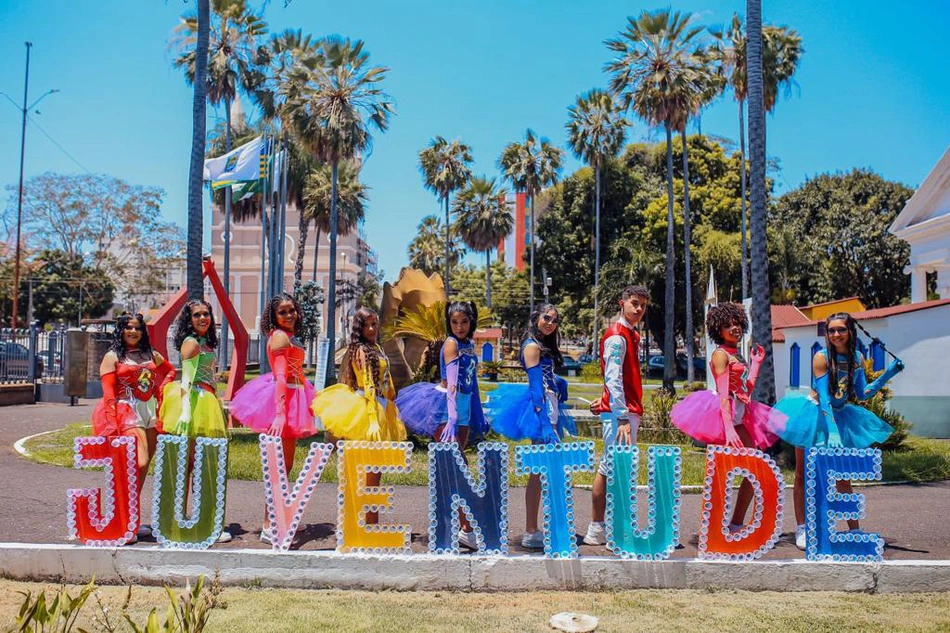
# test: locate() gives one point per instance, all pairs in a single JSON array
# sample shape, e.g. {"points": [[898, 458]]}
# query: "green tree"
{"points": [[483, 220], [446, 167], [849, 250], [529, 167], [333, 117], [656, 73], [596, 132], [427, 249], [65, 289], [318, 190]]}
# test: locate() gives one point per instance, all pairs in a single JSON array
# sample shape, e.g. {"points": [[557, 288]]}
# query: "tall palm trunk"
{"points": [[761, 307], [687, 260], [593, 339], [303, 228], [331, 303], [448, 242], [316, 252], [745, 225], [198, 111], [531, 254], [223, 362], [488, 277], [669, 340]]}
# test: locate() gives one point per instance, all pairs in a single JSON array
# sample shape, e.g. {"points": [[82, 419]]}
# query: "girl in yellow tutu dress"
{"points": [[361, 406]]}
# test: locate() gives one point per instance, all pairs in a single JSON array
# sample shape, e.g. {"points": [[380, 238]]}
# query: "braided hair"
{"points": [[851, 363], [469, 310], [184, 329], [118, 338], [357, 343], [549, 344], [723, 315], [269, 318]]}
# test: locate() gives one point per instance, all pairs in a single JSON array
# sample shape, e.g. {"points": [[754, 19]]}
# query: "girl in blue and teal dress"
{"points": [[829, 415], [450, 411], [534, 412]]}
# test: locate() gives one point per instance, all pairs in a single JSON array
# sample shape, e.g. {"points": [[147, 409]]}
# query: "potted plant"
{"points": [[490, 370]]}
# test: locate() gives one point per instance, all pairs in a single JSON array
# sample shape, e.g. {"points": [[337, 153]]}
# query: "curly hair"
{"points": [[549, 344], [184, 329], [118, 338], [469, 310], [269, 318], [833, 385], [725, 315], [357, 343]]}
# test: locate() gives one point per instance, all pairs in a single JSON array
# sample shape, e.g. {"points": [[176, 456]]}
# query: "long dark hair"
{"points": [[357, 342], [269, 318], [550, 345], [118, 340], [851, 362], [468, 309], [183, 328]]}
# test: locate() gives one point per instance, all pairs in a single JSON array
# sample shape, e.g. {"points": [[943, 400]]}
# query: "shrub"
{"points": [[696, 385], [878, 406], [656, 426], [590, 372]]}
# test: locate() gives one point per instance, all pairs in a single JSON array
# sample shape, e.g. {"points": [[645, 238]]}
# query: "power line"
{"points": [[60, 147]]}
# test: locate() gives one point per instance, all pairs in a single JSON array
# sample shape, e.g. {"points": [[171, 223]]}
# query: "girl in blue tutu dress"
{"points": [[728, 416], [452, 410], [827, 416], [534, 411], [278, 403]]}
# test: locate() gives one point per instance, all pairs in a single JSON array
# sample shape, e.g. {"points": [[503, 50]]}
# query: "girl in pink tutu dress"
{"points": [[728, 415], [278, 403]]}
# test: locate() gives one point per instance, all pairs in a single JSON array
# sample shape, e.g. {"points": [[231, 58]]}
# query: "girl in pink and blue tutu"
{"points": [[278, 403], [728, 416]]}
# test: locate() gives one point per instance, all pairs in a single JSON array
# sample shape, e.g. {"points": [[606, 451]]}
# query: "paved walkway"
{"points": [[912, 518]]}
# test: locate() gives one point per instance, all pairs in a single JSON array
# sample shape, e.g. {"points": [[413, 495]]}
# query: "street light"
{"points": [[19, 207]]}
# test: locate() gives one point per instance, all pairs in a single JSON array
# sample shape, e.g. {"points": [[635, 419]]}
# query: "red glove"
{"points": [[110, 382]]}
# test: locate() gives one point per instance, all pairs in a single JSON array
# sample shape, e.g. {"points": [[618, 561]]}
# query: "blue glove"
{"points": [[867, 392], [824, 403], [561, 388], [536, 387]]}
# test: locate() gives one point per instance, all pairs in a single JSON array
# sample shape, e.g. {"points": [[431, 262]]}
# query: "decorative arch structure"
{"points": [[158, 329]]}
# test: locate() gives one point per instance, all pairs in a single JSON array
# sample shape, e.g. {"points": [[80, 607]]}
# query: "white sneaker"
{"points": [[145, 530], [468, 540], [266, 537], [225, 537], [596, 534], [532, 541], [800, 540]]}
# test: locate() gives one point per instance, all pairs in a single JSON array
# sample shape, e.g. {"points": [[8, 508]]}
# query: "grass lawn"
{"points": [[275, 610], [925, 459]]}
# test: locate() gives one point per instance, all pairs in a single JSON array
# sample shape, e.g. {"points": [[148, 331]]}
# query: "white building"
{"points": [[925, 224]]}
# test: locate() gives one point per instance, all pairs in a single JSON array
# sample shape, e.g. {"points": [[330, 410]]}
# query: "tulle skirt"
{"points": [[805, 426], [698, 416], [254, 406], [424, 407], [207, 418], [136, 414], [512, 414], [345, 413]]}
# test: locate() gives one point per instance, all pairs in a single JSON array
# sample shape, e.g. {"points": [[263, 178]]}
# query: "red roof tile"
{"points": [[785, 316], [877, 313]]}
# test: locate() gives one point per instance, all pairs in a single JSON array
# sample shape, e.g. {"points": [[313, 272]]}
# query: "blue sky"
{"points": [[872, 87]]}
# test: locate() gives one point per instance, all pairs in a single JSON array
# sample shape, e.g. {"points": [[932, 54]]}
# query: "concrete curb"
{"points": [[314, 570]]}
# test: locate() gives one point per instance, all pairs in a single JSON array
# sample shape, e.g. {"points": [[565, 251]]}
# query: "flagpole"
{"points": [[262, 343]]}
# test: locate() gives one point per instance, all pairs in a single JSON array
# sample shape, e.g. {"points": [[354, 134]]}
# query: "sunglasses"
{"points": [[550, 319], [837, 330]]}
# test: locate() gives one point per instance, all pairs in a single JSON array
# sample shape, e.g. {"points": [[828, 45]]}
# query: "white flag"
{"points": [[239, 165]]}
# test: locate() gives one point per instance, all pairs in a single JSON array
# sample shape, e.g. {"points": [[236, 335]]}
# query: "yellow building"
{"points": [[821, 311]]}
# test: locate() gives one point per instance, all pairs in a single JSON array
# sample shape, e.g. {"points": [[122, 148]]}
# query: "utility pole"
{"points": [[19, 205]]}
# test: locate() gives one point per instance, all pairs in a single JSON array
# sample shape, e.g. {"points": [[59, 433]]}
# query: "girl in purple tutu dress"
{"points": [[278, 403], [729, 416]]}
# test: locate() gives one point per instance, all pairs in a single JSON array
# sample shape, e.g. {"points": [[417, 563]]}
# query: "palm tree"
{"points": [[427, 248], [529, 167], [761, 302], [424, 322], [194, 275], [233, 53], [332, 116], [351, 202], [483, 220], [445, 167], [782, 50], [596, 132], [655, 73]]}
